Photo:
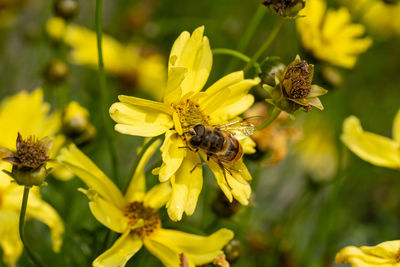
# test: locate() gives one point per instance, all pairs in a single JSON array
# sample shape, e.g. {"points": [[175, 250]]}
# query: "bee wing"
{"points": [[241, 128]]}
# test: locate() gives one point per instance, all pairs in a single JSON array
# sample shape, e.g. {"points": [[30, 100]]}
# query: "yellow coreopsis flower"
{"points": [[135, 216], [183, 107], [386, 254], [329, 34], [25, 113], [373, 148], [125, 61], [377, 15]]}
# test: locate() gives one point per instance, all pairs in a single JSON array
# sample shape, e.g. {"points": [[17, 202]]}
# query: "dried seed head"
{"points": [[151, 220], [297, 79], [285, 8], [29, 160]]}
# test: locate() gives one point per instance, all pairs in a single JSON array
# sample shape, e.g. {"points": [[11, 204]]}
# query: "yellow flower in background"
{"points": [[135, 216], [28, 114], [378, 16], [183, 107], [125, 61], [317, 150], [373, 148], [329, 34], [386, 254]]}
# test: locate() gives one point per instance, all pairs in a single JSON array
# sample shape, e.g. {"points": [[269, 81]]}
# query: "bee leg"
{"points": [[191, 149], [223, 171], [198, 165]]}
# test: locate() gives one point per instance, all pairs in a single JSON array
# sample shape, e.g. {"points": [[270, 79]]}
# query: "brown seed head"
{"points": [[297, 80], [136, 211]]}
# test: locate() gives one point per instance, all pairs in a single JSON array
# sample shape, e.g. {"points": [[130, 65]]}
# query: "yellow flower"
{"points": [[135, 216], [386, 254], [377, 15], [373, 148], [185, 106], [25, 113], [329, 35], [125, 61]]}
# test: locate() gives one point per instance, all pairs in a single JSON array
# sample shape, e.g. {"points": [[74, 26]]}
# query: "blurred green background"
{"points": [[294, 219]]}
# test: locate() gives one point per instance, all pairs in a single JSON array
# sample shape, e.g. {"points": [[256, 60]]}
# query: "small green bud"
{"points": [[66, 9], [232, 251], [285, 8], [271, 67], [223, 208], [28, 176], [56, 71]]}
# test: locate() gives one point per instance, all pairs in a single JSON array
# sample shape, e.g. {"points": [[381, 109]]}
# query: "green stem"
{"points": [[266, 44], [237, 54], [274, 114], [31, 255], [137, 160], [251, 29], [104, 95]]}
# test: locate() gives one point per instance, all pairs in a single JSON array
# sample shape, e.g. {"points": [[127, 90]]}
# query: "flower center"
{"points": [[300, 77], [151, 220], [31, 152], [397, 258], [190, 114]]}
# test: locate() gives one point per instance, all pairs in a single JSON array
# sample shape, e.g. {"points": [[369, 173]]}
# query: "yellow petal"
{"points": [[172, 155], [314, 101], [42, 211], [121, 251], [106, 213], [249, 146], [139, 119], [193, 53], [158, 195], [137, 187], [396, 127], [198, 249], [186, 187], [173, 91], [164, 253], [385, 254], [91, 175], [373, 148], [233, 181], [10, 242], [228, 97], [37, 209], [27, 114]]}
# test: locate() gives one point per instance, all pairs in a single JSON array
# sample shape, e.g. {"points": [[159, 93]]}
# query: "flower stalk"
{"points": [[265, 45], [237, 54], [29, 251], [275, 113], [104, 94]]}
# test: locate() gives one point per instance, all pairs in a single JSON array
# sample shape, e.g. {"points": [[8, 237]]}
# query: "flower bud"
{"points": [[269, 69], [56, 71], [66, 9], [232, 251], [223, 208], [285, 8], [76, 124], [29, 160], [391, 2]]}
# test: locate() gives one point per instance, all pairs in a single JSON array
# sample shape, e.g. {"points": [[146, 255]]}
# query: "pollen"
{"points": [[298, 77], [397, 256], [151, 220], [190, 113]]}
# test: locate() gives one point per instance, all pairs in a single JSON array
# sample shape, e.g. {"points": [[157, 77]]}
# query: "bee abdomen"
{"points": [[234, 151]]}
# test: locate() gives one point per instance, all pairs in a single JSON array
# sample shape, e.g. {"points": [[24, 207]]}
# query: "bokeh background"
{"points": [[320, 198]]}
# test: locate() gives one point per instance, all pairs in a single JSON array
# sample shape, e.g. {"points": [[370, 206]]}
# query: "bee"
{"points": [[220, 142]]}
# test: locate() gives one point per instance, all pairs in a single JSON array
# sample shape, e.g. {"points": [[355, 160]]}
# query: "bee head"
{"points": [[196, 135]]}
